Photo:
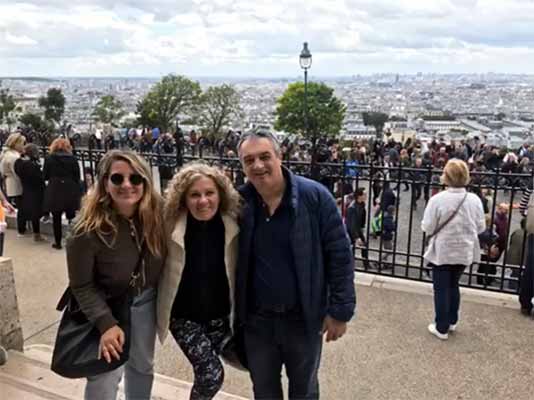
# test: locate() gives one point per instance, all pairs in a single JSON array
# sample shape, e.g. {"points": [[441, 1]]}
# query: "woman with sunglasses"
{"points": [[62, 194], [196, 291], [120, 221]]}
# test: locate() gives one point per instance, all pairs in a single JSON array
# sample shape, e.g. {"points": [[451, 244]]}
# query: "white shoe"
{"points": [[433, 330], [21, 235], [452, 328]]}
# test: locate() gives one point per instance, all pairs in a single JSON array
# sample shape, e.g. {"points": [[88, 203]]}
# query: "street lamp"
{"points": [[305, 61]]}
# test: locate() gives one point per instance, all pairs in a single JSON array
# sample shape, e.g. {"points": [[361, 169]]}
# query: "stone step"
{"points": [[28, 376]]}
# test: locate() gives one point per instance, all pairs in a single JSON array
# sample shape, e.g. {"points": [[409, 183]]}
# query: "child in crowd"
{"points": [[489, 253]]}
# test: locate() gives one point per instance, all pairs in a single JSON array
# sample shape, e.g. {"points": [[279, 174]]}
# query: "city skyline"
{"points": [[224, 38]]}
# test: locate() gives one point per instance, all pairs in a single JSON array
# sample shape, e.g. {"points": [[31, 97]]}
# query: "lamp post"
{"points": [[305, 61]]}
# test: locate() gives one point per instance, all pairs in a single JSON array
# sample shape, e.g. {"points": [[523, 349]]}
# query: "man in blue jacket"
{"points": [[295, 272]]}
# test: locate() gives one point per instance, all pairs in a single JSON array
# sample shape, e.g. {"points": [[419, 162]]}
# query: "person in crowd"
{"points": [[377, 179], [517, 256], [355, 222], [489, 253], [120, 221], [62, 194], [13, 186], [295, 272], [196, 292], [88, 180], [453, 245], [388, 197], [526, 281], [501, 224], [418, 180], [388, 232], [5, 206], [28, 168], [404, 162]]}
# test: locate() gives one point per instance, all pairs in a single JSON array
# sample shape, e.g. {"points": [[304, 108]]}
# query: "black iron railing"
{"points": [[411, 186]]}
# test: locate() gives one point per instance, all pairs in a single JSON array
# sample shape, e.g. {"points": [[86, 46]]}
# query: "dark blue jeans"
{"points": [[271, 342], [446, 294]]}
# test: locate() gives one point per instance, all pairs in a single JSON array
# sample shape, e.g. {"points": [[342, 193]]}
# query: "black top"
{"points": [[355, 221], [203, 294], [274, 280]]}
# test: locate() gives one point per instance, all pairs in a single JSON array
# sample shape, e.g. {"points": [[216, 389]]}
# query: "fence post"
{"points": [[179, 144]]}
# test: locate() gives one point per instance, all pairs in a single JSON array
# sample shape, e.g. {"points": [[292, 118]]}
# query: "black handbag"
{"points": [[233, 350], [77, 343]]}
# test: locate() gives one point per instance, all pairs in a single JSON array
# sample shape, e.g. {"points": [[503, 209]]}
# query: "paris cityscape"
{"points": [[496, 107]]}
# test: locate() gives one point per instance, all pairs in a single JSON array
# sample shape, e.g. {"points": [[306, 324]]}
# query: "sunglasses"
{"points": [[118, 179]]}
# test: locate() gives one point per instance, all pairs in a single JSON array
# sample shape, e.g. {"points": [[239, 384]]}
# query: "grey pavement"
{"points": [[386, 354]]}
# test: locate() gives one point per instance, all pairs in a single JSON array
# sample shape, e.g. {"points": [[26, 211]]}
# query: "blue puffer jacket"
{"points": [[323, 259]]}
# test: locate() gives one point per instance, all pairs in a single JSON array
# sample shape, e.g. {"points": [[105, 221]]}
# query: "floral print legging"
{"points": [[201, 344]]}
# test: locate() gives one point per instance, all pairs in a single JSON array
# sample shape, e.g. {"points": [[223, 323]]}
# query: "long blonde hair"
{"points": [[182, 181], [97, 214]]}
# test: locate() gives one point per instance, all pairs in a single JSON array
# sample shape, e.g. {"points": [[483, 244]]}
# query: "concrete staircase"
{"points": [[27, 376]]}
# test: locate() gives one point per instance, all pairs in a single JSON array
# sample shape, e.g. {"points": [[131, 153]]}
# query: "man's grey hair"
{"points": [[259, 134]]}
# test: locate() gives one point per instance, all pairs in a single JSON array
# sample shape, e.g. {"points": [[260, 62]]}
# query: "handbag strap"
{"points": [[438, 230], [67, 294]]}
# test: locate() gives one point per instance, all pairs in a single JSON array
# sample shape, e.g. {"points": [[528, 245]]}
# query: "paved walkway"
{"points": [[386, 354]]}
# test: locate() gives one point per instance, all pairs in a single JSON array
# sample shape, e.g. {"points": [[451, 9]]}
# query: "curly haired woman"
{"points": [[196, 292]]}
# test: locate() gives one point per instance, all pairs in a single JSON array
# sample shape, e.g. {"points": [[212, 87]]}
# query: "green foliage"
{"points": [[53, 104], [325, 111], [376, 119], [35, 122], [171, 96], [217, 105], [108, 110], [7, 106]]}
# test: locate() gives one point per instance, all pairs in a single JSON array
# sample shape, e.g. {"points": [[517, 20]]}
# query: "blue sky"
{"points": [[263, 38]]}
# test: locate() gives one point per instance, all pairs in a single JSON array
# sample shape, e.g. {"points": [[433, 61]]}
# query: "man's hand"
{"points": [[333, 328], [359, 243], [111, 343]]}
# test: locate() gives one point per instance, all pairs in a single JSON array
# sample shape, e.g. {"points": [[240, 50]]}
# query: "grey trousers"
{"points": [[139, 369]]}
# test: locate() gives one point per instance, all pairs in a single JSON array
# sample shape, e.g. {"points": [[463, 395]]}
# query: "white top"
{"points": [[7, 168], [457, 242]]}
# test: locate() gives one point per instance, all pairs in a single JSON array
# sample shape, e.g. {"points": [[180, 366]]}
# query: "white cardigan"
{"points": [[175, 263], [7, 168], [457, 242]]}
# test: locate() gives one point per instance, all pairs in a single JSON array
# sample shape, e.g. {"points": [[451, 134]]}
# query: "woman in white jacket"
{"points": [[14, 148], [196, 290], [455, 245]]}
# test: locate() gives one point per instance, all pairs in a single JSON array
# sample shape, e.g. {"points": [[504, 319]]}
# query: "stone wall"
{"points": [[10, 329]]}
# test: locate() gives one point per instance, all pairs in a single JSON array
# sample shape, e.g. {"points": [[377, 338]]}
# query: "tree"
{"points": [[376, 119], [217, 105], [171, 96], [7, 106], [108, 110], [325, 111], [34, 122], [53, 104]]}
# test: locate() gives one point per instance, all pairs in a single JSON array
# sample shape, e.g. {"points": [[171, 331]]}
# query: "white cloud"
{"points": [[19, 40], [230, 37]]}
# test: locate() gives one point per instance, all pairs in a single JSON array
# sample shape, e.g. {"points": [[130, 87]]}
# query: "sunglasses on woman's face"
{"points": [[118, 179]]}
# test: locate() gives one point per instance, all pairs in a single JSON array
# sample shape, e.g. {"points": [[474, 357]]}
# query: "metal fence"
{"points": [[411, 186]]}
